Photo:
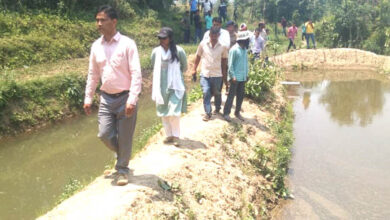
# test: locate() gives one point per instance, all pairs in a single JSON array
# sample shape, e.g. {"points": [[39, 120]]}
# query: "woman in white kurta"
{"points": [[169, 62]]}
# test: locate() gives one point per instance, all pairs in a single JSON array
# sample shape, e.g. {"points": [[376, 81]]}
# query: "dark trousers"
{"points": [[192, 15], [236, 89], [223, 16], [187, 35], [116, 129], [198, 34], [291, 44]]}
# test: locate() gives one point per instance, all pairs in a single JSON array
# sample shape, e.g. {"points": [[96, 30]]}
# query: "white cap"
{"points": [[243, 35]]}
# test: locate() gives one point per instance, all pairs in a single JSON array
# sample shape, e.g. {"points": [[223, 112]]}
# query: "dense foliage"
{"points": [[363, 24], [28, 38], [72, 6], [357, 24]]}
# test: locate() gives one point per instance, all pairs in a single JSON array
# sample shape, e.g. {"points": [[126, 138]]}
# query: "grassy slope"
{"points": [[32, 94]]}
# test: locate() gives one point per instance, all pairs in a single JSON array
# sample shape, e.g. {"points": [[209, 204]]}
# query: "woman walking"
{"points": [[168, 89]]}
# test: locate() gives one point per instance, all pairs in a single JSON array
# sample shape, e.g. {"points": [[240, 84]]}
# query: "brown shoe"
{"points": [[206, 117], [110, 173], [123, 179], [168, 140]]}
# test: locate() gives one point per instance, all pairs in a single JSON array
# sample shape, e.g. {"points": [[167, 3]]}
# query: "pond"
{"points": [[340, 167]]}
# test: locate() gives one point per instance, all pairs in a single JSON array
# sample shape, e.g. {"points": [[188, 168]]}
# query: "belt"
{"points": [[116, 94]]}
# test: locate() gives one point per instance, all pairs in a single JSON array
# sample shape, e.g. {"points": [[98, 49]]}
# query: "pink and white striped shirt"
{"points": [[116, 63]]}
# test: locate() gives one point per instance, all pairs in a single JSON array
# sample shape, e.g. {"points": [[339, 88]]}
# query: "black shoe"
{"points": [[216, 112], [239, 117], [227, 118]]}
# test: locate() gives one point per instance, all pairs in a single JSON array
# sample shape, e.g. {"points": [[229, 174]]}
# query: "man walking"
{"points": [[284, 25], [115, 62], [207, 6], [214, 57], [258, 44], [222, 10], [238, 74], [186, 27], [291, 33], [198, 27], [193, 9]]}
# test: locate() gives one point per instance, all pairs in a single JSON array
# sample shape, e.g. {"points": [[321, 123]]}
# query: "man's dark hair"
{"points": [[108, 10], [217, 19], [215, 30]]}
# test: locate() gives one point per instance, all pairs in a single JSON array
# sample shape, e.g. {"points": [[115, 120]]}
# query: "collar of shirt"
{"points": [[215, 46], [116, 38]]}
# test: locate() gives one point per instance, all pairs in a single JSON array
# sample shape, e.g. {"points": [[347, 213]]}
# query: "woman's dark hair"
{"points": [[172, 44], [108, 10]]}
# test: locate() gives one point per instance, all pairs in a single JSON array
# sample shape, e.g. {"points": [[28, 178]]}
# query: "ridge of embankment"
{"points": [[209, 176], [338, 58]]}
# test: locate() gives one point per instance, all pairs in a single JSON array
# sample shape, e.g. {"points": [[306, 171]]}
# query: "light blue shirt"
{"points": [[194, 5], [238, 63]]}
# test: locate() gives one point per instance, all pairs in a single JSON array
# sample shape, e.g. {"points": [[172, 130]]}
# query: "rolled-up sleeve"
{"points": [[135, 73], [93, 78]]}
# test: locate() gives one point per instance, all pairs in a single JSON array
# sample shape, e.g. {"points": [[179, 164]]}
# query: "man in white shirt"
{"points": [[207, 6], [258, 44], [224, 37]]}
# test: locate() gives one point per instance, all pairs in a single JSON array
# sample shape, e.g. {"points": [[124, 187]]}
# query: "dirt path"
{"points": [[209, 175]]}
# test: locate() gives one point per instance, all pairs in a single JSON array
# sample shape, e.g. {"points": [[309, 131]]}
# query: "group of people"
{"points": [[292, 32], [114, 62], [193, 17]]}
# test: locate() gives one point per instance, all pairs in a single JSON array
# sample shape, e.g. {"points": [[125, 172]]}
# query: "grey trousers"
{"points": [[115, 129]]}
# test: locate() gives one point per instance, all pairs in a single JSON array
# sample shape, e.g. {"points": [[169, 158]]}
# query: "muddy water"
{"points": [[35, 168], [340, 167]]}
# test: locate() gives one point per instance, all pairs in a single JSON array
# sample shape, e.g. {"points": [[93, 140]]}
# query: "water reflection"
{"points": [[308, 86], [353, 101]]}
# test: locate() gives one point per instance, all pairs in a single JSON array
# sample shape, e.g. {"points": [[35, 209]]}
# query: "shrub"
{"points": [[262, 77]]}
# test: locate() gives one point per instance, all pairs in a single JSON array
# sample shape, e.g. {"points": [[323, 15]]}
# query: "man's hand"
{"points": [[234, 79], [194, 77], [129, 111], [87, 109]]}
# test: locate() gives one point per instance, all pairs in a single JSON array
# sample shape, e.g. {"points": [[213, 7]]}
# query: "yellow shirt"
{"points": [[309, 28]]}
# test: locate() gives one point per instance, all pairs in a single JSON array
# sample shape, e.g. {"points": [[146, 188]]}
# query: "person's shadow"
{"points": [[191, 144], [248, 121]]}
